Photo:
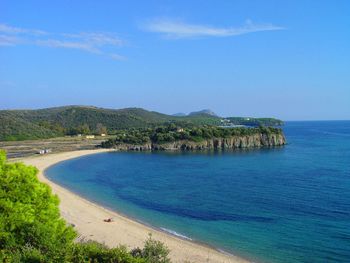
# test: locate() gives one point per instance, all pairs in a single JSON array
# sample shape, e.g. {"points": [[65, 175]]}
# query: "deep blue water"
{"points": [[288, 204]]}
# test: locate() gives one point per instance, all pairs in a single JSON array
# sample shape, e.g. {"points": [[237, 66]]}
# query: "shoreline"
{"points": [[87, 218]]}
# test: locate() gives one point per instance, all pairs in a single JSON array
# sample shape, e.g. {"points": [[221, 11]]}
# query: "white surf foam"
{"points": [[175, 233]]}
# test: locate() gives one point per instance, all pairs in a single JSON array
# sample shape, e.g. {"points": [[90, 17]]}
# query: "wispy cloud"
{"points": [[17, 30], [177, 29], [92, 42], [97, 39], [69, 44], [6, 40], [116, 57]]}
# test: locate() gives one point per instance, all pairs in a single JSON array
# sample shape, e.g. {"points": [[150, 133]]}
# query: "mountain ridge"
{"points": [[203, 112], [78, 119]]}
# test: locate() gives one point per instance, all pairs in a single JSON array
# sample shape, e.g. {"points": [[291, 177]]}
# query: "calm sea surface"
{"points": [[288, 204]]}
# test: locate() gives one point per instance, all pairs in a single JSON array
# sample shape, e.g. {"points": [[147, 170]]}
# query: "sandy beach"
{"points": [[88, 217]]}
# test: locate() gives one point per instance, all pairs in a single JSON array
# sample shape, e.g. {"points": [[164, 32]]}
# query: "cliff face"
{"points": [[235, 142]]}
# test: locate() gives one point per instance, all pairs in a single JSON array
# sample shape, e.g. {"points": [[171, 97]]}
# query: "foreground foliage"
{"points": [[29, 214], [31, 229]]}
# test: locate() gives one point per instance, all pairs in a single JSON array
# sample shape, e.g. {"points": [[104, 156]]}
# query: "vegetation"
{"points": [[31, 229], [13, 128], [171, 133], [30, 223], [255, 121], [73, 120]]}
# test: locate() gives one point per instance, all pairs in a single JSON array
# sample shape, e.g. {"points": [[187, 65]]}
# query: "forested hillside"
{"points": [[72, 120]]}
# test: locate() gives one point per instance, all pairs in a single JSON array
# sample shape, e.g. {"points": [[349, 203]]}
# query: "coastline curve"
{"points": [[87, 217]]}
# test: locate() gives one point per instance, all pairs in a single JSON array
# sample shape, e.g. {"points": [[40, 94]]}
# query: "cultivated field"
{"points": [[61, 144]]}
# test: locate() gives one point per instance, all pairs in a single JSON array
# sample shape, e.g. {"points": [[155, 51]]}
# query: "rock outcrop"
{"points": [[234, 142]]}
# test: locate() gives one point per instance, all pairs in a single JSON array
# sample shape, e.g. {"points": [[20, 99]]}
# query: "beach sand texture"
{"points": [[88, 219]]}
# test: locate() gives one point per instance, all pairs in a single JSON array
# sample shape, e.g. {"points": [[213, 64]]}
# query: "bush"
{"points": [[155, 251], [92, 251]]}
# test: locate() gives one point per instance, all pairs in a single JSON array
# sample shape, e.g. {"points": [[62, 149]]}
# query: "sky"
{"points": [[284, 59]]}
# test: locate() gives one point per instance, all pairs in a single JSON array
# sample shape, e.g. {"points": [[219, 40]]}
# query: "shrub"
{"points": [[92, 251], [153, 252]]}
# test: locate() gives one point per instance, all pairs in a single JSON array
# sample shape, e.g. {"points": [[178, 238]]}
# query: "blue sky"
{"points": [[287, 59]]}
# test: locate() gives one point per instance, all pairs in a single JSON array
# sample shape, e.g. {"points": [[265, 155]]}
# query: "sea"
{"points": [[285, 204]]}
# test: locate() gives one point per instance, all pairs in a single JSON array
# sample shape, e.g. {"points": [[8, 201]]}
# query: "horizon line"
{"points": [[135, 107]]}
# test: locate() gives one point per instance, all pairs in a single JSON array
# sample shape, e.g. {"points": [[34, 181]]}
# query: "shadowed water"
{"points": [[288, 204]]}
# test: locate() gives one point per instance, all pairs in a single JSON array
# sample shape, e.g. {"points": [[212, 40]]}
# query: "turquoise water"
{"points": [[288, 204]]}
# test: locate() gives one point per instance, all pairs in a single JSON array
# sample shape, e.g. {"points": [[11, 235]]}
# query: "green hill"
{"points": [[71, 120]]}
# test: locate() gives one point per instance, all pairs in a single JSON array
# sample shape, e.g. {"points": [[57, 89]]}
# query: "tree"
{"points": [[100, 129], [84, 129], [29, 214]]}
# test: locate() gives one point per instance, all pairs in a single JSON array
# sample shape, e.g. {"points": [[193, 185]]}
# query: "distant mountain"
{"points": [[179, 114], [71, 120], [203, 112]]}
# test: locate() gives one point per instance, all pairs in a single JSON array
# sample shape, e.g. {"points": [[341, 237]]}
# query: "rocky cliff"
{"points": [[234, 142]]}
